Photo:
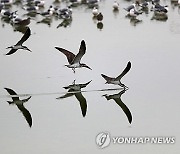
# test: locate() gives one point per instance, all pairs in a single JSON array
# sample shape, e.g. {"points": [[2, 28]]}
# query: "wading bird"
{"points": [[74, 60]]}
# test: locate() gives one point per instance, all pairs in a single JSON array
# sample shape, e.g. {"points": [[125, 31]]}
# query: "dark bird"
{"points": [[75, 89], [20, 105], [116, 81], [19, 45], [117, 99], [74, 60], [99, 17]]}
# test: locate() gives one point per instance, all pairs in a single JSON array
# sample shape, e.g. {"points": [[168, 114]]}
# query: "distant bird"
{"points": [[159, 8], [31, 9], [20, 22], [95, 11], [20, 105], [6, 2], [132, 6], [39, 3], [115, 6], [75, 89], [144, 4], [47, 13], [117, 99], [134, 13], [74, 60], [19, 45], [116, 81], [7, 13], [65, 13], [99, 17]]}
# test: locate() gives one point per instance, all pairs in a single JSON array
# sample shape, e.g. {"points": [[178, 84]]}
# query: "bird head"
{"points": [[26, 48]]}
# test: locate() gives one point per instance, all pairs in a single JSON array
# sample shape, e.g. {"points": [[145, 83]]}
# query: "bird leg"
{"points": [[73, 70]]}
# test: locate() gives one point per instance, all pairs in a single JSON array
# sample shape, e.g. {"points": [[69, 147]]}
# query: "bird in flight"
{"points": [[20, 105], [19, 45], [74, 60], [117, 80]]}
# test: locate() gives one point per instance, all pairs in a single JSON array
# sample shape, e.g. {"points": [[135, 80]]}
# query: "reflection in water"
{"points": [[75, 89], [20, 105], [159, 16], [65, 23], [100, 25], [19, 45], [116, 80], [117, 99], [46, 21]]}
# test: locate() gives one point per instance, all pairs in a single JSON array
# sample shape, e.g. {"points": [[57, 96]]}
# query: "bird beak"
{"points": [[88, 67], [29, 50]]}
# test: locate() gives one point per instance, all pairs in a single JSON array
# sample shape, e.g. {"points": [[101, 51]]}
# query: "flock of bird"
{"points": [[63, 10], [33, 6]]}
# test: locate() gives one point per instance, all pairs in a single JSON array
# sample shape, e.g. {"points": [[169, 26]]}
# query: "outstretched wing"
{"points": [[83, 103], [25, 36], [12, 92], [26, 114], [124, 108], [11, 51], [70, 56], [107, 78], [128, 67], [82, 51]]}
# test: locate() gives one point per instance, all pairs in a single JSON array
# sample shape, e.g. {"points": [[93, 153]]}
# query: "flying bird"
{"points": [[74, 60], [20, 105], [19, 45], [116, 81], [117, 99]]}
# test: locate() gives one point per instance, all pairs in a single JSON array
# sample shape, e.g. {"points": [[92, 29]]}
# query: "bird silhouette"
{"points": [[117, 99], [19, 103], [75, 89], [74, 60], [117, 80], [19, 45]]}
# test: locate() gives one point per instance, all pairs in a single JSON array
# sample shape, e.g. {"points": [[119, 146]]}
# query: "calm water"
{"points": [[58, 125]]}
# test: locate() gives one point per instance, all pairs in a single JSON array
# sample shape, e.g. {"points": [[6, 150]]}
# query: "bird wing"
{"points": [[83, 103], [85, 84], [25, 36], [70, 56], [11, 51], [82, 51], [11, 92], [124, 108], [107, 78], [128, 67], [26, 114]]}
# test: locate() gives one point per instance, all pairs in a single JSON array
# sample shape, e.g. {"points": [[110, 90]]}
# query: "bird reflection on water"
{"points": [[20, 104], [117, 99], [75, 90]]}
